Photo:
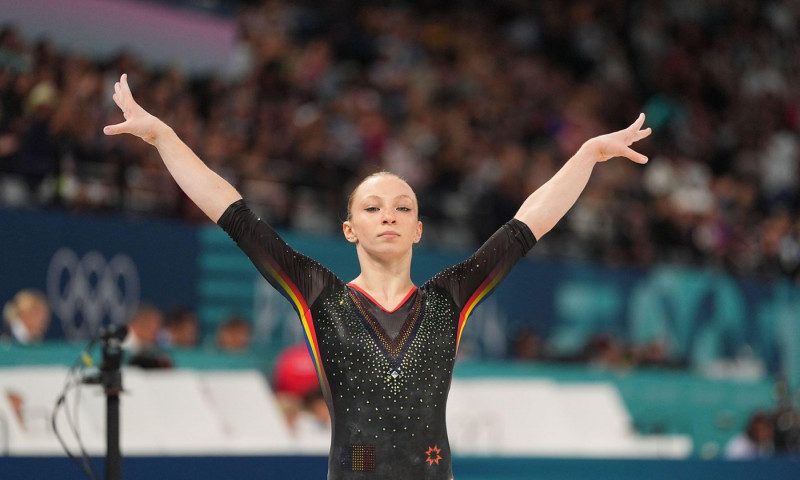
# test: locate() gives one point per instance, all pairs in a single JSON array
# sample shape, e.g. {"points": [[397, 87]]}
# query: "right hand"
{"points": [[137, 120]]}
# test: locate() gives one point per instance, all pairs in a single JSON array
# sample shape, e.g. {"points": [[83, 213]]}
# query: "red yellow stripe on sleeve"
{"points": [[480, 294], [288, 289]]}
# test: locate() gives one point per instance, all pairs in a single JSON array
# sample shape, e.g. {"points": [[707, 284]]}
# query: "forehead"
{"points": [[384, 186]]}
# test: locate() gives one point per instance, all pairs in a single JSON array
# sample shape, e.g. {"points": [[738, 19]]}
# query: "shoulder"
{"points": [[435, 290]]}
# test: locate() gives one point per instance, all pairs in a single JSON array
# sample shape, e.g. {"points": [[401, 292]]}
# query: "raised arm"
{"points": [[545, 207], [206, 189]]}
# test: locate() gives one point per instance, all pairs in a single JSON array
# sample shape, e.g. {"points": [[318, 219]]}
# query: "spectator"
{"points": [[755, 442], [605, 351], [233, 335], [181, 329], [142, 340], [26, 317], [527, 345]]}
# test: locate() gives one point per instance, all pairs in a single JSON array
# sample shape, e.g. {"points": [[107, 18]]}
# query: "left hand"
{"points": [[617, 144]]}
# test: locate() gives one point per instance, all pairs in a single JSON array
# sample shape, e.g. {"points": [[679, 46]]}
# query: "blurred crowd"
{"points": [[476, 106], [152, 332]]}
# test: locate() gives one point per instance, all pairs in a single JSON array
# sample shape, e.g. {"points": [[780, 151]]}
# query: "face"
{"points": [[184, 334], [35, 315], [234, 338], [384, 218], [147, 324]]}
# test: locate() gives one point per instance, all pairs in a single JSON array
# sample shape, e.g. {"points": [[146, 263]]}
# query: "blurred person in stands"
{"points": [[26, 317], [181, 329], [383, 349], [603, 350], [755, 442], [527, 345], [657, 353], [233, 335], [141, 342]]}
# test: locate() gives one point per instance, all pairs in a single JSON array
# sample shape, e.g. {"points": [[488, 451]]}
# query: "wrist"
{"points": [[589, 151], [160, 132]]}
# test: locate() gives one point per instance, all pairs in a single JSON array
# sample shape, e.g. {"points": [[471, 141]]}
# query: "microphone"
{"points": [[116, 332], [111, 338]]}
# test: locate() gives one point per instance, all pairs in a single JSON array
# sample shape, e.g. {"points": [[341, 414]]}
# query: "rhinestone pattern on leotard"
{"points": [[401, 415], [393, 347]]}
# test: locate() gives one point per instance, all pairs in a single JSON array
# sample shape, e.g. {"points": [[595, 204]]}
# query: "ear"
{"points": [[418, 233], [349, 234]]}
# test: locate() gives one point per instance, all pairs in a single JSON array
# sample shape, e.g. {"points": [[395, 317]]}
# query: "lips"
{"points": [[389, 233]]}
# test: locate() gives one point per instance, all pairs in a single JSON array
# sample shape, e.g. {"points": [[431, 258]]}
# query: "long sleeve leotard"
{"points": [[385, 374]]}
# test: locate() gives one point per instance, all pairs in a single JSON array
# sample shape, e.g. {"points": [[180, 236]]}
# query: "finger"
{"points": [[116, 129], [118, 100], [643, 133], [636, 136], [125, 90], [118, 94], [637, 125], [124, 81], [634, 155]]}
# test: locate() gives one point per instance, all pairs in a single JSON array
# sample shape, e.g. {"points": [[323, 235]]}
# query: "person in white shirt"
{"points": [[27, 317], [755, 442]]}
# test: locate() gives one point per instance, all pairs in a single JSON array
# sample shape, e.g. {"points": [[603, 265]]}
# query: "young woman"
{"points": [[384, 349]]}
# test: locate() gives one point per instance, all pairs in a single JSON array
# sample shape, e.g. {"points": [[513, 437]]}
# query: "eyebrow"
{"points": [[368, 197]]}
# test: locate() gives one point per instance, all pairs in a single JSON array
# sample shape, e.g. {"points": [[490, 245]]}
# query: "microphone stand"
{"points": [[110, 378]]}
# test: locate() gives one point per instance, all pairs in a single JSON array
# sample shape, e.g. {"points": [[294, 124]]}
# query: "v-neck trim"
{"points": [[392, 348], [377, 304]]}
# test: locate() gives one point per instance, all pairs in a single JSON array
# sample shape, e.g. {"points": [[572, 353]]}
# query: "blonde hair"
{"points": [[23, 300]]}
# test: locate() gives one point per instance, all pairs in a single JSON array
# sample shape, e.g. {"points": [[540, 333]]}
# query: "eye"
{"points": [[372, 209], [404, 209]]}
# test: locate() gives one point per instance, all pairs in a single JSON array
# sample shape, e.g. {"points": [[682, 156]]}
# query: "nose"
{"points": [[388, 216]]}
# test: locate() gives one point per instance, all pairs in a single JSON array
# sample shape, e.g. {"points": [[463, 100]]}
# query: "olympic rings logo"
{"points": [[84, 291]]}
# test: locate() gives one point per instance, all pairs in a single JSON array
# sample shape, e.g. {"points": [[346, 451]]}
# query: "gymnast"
{"points": [[384, 348]]}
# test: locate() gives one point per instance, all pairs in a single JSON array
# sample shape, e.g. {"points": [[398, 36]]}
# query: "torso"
{"points": [[388, 394]]}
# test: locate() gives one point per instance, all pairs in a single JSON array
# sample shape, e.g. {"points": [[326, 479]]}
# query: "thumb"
{"points": [[635, 156], [114, 129]]}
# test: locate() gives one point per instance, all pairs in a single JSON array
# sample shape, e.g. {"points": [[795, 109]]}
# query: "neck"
{"points": [[387, 281]]}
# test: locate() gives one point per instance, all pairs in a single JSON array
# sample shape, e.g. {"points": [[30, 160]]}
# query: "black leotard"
{"points": [[386, 393]]}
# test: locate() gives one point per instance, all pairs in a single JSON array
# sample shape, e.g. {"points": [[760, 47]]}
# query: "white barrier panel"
{"points": [[27, 398], [541, 417], [175, 412], [248, 413], [186, 412]]}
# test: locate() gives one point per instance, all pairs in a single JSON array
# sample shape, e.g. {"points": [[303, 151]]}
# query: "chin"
{"points": [[391, 249]]}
